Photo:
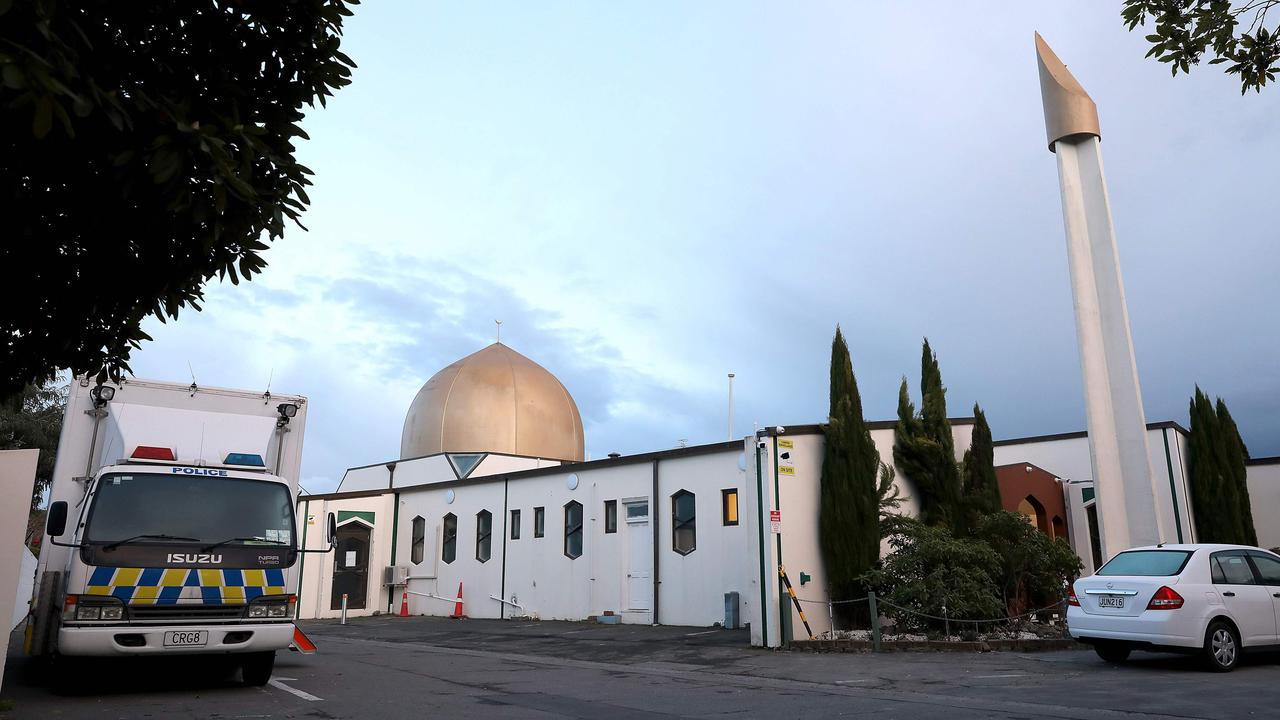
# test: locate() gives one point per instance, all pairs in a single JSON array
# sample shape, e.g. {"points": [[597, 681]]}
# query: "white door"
{"points": [[1248, 602], [640, 556]]}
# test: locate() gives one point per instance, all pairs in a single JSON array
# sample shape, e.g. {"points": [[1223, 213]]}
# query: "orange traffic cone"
{"points": [[457, 607], [404, 604]]}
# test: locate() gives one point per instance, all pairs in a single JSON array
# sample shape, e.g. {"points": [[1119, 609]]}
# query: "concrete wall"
{"points": [[1264, 498]]}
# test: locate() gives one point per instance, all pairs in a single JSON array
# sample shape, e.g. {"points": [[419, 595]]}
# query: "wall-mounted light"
{"points": [[102, 395], [286, 411]]}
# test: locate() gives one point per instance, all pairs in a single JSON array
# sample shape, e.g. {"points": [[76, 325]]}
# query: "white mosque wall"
{"points": [[495, 464], [1263, 479], [692, 587], [423, 471], [315, 591], [358, 479], [1067, 456]]}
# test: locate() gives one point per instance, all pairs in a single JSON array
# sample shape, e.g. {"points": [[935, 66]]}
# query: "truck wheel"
{"points": [[256, 668]]}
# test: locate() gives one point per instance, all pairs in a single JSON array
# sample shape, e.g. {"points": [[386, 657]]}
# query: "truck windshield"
{"points": [[209, 509]]}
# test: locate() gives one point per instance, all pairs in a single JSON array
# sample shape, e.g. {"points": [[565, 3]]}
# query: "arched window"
{"points": [[573, 529], [419, 539], [684, 516], [1059, 527], [1035, 514], [484, 535], [449, 547]]}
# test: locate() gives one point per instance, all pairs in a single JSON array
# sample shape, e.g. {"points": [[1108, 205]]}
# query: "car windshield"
{"points": [[1153, 563], [209, 509]]}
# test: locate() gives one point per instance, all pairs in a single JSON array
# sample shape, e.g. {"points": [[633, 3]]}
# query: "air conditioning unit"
{"points": [[395, 575]]}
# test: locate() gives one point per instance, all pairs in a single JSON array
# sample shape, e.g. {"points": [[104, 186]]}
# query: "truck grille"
{"points": [[185, 613]]}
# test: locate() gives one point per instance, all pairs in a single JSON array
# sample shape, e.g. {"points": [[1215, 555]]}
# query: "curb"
{"points": [[936, 645]]}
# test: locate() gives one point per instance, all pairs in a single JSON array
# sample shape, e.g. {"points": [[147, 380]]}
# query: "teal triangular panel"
{"points": [[464, 463]]}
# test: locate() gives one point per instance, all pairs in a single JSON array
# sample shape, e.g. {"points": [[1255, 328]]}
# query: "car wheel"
{"points": [[256, 668], [1115, 653], [1221, 647]]}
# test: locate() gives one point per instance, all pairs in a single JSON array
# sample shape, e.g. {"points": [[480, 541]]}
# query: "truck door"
{"points": [[351, 566]]}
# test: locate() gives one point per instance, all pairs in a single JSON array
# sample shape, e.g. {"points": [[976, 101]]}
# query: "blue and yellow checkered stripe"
{"points": [[166, 586]]}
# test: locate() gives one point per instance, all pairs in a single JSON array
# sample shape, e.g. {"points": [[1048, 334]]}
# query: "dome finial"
{"points": [[499, 324]]}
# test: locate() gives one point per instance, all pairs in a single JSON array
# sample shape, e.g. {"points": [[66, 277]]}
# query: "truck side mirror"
{"points": [[331, 530], [56, 522]]}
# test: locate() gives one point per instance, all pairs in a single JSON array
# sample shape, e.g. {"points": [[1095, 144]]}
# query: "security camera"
{"points": [[762, 444], [780, 429]]}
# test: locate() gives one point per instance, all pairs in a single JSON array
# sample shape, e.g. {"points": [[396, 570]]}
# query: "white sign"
{"points": [[351, 559], [775, 521]]}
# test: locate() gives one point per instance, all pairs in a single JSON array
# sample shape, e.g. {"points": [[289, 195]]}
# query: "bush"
{"points": [[1034, 569], [929, 569]]}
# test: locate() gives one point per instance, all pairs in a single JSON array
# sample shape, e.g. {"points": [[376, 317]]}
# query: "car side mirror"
{"points": [[331, 530], [56, 521]]}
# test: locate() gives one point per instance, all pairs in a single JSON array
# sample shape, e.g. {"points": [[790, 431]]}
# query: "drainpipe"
{"points": [[764, 576], [395, 536], [655, 517], [502, 592], [783, 608]]}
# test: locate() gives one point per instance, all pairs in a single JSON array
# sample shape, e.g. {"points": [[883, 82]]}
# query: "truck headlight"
{"points": [[278, 610], [257, 611], [88, 612], [112, 613]]}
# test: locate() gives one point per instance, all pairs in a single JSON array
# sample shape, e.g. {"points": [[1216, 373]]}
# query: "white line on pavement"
{"points": [[988, 677], [709, 632], [293, 691], [845, 682]]}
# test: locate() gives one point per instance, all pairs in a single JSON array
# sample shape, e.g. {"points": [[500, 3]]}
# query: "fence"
{"points": [[874, 618]]}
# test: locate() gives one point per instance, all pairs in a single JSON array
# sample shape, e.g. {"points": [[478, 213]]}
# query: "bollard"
{"points": [[344, 609], [831, 617], [946, 623], [875, 621]]}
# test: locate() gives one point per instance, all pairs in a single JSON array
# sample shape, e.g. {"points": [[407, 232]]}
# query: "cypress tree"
{"points": [[981, 491], [1216, 463], [925, 449], [848, 521], [1234, 457]]}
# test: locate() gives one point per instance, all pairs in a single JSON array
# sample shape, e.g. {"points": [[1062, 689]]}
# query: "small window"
{"points": [[515, 524], [539, 521], [449, 548], [611, 516], [484, 535], [684, 537], [419, 539], [573, 529], [638, 511], [1231, 568], [729, 506]]}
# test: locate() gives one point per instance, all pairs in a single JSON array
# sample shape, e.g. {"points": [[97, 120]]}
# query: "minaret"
{"points": [[1124, 483]]}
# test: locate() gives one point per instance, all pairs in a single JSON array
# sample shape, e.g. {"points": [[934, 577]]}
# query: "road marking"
{"points": [[293, 691], [845, 682], [988, 677], [709, 632]]}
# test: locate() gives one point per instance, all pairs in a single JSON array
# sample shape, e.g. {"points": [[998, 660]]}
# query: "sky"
{"points": [[651, 195]]}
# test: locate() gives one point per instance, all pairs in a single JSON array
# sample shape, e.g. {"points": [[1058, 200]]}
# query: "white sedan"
{"points": [[1218, 600]]}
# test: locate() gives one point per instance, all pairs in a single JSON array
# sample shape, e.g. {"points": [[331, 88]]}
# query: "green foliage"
{"points": [[848, 523], [1188, 30], [1216, 466], [981, 491], [929, 569], [1034, 568], [33, 419], [925, 449], [144, 149]]}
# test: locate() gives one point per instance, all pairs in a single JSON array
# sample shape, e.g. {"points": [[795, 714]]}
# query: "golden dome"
{"points": [[494, 400]]}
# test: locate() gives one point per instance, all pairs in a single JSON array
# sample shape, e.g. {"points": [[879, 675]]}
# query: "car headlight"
{"points": [[112, 613], [88, 612]]}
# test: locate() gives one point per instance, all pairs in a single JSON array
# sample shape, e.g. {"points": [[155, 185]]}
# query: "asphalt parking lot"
{"points": [[388, 667]]}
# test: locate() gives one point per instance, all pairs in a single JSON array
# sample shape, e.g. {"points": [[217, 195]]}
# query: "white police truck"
{"points": [[171, 526]]}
